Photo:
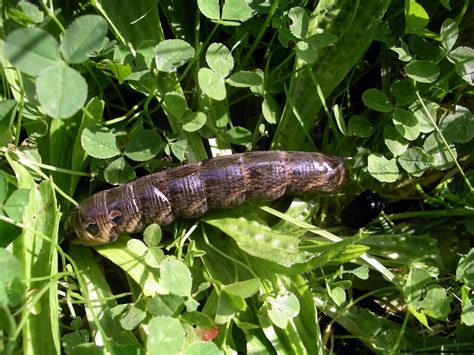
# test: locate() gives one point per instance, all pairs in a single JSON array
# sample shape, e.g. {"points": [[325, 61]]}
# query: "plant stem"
{"points": [[466, 180]]}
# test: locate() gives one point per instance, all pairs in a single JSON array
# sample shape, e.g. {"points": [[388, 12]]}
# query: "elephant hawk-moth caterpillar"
{"points": [[191, 190]]}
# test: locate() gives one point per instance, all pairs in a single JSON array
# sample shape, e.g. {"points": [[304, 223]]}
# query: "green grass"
{"points": [[98, 93]]}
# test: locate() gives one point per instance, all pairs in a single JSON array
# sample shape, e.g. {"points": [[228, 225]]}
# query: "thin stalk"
{"points": [[435, 126]]}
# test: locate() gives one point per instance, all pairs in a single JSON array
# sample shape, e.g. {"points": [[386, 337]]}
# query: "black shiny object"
{"points": [[362, 210]]}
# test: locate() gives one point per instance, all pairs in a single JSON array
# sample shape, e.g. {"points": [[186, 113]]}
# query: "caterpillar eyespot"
{"points": [[191, 190]]}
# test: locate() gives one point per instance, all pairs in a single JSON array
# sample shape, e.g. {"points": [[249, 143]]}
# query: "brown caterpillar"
{"points": [[191, 190]]}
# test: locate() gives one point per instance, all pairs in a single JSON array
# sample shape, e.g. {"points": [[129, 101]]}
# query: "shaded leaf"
{"points": [[31, 50], [219, 59], [382, 169], [211, 84], [83, 36], [143, 145], [173, 53], [423, 71], [99, 142], [119, 172], [377, 100], [61, 91]]}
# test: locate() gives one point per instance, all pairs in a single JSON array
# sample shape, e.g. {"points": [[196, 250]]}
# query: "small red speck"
{"points": [[207, 334]]}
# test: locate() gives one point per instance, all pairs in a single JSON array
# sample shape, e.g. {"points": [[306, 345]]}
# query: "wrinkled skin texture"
{"points": [[191, 190]]}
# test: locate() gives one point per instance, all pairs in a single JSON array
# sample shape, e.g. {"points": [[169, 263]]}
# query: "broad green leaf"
{"points": [[244, 79], [6, 135], [426, 125], [16, 203], [434, 146], [465, 269], [415, 16], [449, 34], [119, 172], [360, 126], [165, 336], [394, 141], [3, 188], [209, 8], [6, 109], [382, 169], [165, 305], [403, 52], [83, 36], [219, 115], [404, 249], [203, 348], [152, 235], [417, 279], [362, 272], [244, 289], [219, 59], [12, 270], [283, 308], [101, 308], [458, 127], [132, 318], [31, 50], [211, 84], [128, 254], [256, 238], [306, 53], [143, 145], [99, 142], [467, 315], [179, 149], [463, 59], [377, 100], [173, 53], [300, 22], [154, 256], [435, 303], [146, 54], [193, 121], [423, 71], [321, 40], [404, 92], [338, 295], [227, 306], [406, 124], [415, 161], [238, 135], [175, 277], [175, 103], [61, 91], [236, 10], [39, 258], [271, 110], [25, 13]]}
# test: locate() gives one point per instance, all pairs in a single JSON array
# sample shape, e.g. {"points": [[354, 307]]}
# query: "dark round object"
{"points": [[362, 210]]}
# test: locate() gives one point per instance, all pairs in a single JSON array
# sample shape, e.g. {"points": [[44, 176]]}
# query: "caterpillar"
{"points": [[192, 189]]}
